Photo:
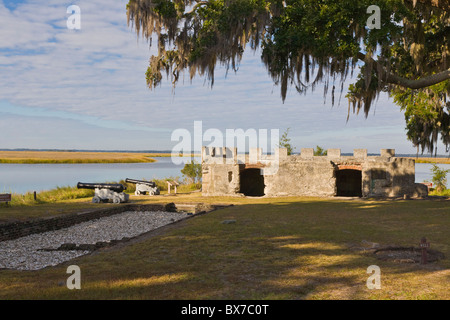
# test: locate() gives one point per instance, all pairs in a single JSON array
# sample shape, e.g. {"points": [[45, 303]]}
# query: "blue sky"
{"points": [[85, 89]]}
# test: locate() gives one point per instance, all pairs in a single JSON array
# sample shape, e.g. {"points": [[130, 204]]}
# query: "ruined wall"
{"points": [[306, 174], [220, 179], [220, 172], [389, 178], [298, 176]]}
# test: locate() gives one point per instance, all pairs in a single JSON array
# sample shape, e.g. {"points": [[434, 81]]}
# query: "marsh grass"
{"points": [[50, 157], [42, 157], [444, 193], [75, 161], [59, 194], [433, 160], [50, 196]]}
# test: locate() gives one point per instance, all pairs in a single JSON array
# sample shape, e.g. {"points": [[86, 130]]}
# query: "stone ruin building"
{"points": [[227, 173]]}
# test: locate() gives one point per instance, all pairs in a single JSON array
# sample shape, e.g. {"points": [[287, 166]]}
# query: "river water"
{"points": [[423, 172], [20, 178]]}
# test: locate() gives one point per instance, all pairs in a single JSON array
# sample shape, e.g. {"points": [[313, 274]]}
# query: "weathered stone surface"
{"points": [[360, 153], [420, 191], [68, 246], [334, 153], [228, 221], [387, 152], [307, 153], [306, 174]]}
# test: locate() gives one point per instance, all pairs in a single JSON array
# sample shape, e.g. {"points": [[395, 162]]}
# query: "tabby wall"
{"points": [[225, 172]]}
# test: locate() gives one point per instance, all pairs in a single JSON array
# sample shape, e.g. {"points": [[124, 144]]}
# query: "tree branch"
{"points": [[419, 83], [198, 4], [404, 82], [441, 4]]}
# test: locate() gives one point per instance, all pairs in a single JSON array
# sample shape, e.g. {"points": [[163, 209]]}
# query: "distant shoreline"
{"points": [[431, 160], [72, 157], [69, 156], [57, 157], [86, 151]]}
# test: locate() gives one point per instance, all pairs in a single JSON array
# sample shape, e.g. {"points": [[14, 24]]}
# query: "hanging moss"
{"points": [[305, 43]]}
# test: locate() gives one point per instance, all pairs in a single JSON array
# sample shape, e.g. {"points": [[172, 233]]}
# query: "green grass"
{"points": [[62, 199], [444, 193], [68, 193], [279, 248], [24, 212], [50, 196]]}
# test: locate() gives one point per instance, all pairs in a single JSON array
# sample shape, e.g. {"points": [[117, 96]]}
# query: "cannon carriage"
{"points": [[105, 192], [144, 187]]}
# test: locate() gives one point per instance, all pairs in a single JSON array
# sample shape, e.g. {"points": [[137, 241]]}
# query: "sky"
{"points": [[86, 89]]}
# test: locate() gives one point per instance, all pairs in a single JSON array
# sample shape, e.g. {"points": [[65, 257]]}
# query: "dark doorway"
{"points": [[252, 182], [348, 183]]}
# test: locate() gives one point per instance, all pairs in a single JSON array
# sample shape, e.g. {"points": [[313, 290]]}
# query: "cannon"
{"points": [[106, 192], [142, 187]]}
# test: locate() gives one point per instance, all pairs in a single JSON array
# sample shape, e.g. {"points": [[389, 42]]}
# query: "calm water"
{"points": [[21, 178], [423, 172]]}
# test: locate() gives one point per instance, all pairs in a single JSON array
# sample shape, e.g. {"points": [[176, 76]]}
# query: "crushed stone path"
{"points": [[28, 253]]}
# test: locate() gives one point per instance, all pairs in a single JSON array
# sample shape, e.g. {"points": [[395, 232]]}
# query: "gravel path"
{"points": [[24, 254]]}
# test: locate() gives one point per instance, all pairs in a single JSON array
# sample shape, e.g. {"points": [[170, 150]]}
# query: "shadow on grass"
{"points": [[282, 250]]}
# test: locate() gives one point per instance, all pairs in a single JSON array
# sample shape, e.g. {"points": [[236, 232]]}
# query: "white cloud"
{"points": [[99, 71], [19, 131]]}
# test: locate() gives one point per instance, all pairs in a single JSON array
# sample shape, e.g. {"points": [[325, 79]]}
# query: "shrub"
{"points": [[439, 178], [192, 171]]}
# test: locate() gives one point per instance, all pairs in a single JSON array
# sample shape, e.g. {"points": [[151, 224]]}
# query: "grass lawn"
{"points": [[278, 248]]}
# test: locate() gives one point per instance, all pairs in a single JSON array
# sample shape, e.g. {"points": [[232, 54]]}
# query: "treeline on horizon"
{"points": [[84, 150], [410, 155]]}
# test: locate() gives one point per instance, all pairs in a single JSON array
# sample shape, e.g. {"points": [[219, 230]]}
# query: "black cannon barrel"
{"points": [[149, 183], [111, 186]]}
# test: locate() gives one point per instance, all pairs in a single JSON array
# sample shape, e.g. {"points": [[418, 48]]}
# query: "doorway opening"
{"points": [[349, 183], [252, 182]]}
